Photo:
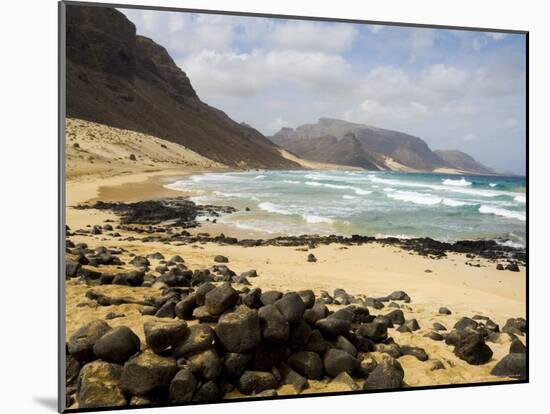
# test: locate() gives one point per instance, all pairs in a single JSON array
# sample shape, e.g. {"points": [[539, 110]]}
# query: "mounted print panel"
{"points": [[262, 207]]}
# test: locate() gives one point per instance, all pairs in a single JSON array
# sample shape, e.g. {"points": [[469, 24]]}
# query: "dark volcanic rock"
{"points": [[308, 297], [517, 326], [444, 311], [464, 323], [517, 347], [472, 349], [82, 342], [396, 317], [309, 364], [333, 326], [275, 328], [184, 308], [206, 364], [291, 307], [373, 303], [182, 386], [311, 258], [291, 377], [98, 386], [387, 374], [117, 345], [209, 391], [512, 365], [239, 331], [439, 327], [220, 299], [235, 364], [434, 336], [345, 345], [221, 259], [374, 331], [254, 382], [336, 361], [197, 338], [417, 352], [270, 297], [399, 295], [160, 335], [318, 311], [147, 371]]}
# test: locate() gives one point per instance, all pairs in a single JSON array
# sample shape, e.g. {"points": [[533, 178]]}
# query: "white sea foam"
{"points": [[356, 190], [492, 185], [520, 199], [510, 243], [456, 203], [291, 182], [273, 208], [312, 219], [502, 212], [416, 198], [348, 197], [259, 177], [456, 183]]}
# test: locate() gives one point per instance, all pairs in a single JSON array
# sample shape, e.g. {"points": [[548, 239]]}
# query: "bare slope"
{"points": [[117, 78]]}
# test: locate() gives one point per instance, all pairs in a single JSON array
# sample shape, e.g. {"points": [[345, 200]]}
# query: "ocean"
{"points": [[382, 204]]}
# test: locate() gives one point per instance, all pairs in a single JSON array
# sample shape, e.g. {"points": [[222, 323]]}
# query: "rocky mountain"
{"points": [[342, 142], [117, 78], [462, 161]]}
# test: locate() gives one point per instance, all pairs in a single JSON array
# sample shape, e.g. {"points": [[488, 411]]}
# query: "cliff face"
{"points": [[463, 161], [120, 79]]}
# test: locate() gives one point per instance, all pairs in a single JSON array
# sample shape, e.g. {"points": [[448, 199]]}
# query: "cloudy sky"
{"points": [[454, 89]]}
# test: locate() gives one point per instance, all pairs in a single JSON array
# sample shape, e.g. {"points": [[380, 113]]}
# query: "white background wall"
{"points": [[28, 162]]}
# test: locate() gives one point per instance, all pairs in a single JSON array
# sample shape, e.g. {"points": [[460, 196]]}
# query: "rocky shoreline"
{"points": [[160, 221], [209, 333]]}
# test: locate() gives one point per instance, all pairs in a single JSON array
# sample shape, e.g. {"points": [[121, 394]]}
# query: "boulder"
{"points": [[396, 317], [168, 310], [308, 297], [315, 343], [275, 327], [220, 299], [209, 391], [345, 345], [333, 326], [147, 371], [185, 307], [291, 377], [445, 311], [239, 331], [464, 323], [399, 295], [117, 345], [311, 258], [343, 382], [98, 386], [221, 259], [235, 364], [318, 311], [439, 327], [182, 386], [417, 352], [337, 361], [206, 364], [512, 365], [375, 331], [291, 307], [254, 382], [473, 349], [160, 335], [197, 338], [270, 297], [373, 303], [308, 364], [388, 374], [81, 343], [517, 326], [517, 347]]}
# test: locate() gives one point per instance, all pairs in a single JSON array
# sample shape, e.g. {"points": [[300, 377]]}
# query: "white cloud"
{"points": [[313, 36], [469, 137], [496, 36]]}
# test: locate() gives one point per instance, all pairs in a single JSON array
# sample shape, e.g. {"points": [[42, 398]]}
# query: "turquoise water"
{"points": [[440, 206]]}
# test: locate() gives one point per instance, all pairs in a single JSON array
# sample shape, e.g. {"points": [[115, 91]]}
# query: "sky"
{"points": [[455, 89]]}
